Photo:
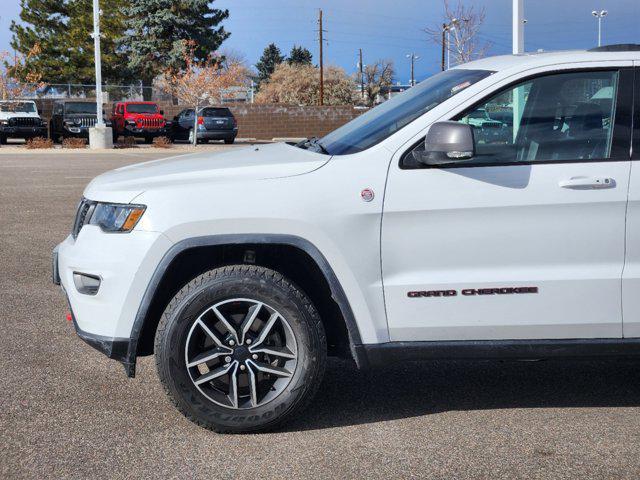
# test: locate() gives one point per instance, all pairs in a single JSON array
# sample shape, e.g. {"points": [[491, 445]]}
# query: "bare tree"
{"points": [[15, 67], [377, 76], [232, 56], [201, 82], [462, 24], [297, 84]]}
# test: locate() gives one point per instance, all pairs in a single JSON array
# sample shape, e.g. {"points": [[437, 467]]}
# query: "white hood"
{"points": [[252, 163], [8, 115]]}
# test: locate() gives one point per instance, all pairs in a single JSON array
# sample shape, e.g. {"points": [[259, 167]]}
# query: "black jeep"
{"points": [[73, 118]]}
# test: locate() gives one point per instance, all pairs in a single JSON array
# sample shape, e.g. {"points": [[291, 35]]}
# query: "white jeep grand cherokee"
{"points": [[412, 232]]}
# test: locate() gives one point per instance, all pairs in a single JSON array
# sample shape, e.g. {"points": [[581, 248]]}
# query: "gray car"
{"points": [[213, 123]]}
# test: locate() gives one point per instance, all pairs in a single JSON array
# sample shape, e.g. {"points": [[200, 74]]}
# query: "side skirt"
{"points": [[385, 353]]}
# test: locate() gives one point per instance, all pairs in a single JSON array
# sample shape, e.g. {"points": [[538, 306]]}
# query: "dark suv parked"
{"points": [[214, 123], [72, 118]]}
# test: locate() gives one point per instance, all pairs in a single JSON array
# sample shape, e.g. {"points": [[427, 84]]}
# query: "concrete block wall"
{"points": [[265, 122]]}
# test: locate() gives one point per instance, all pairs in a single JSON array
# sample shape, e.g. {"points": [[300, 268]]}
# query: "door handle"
{"points": [[588, 183]]}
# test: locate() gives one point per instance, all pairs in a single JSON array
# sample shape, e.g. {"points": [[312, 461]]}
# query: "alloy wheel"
{"points": [[241, 353]]}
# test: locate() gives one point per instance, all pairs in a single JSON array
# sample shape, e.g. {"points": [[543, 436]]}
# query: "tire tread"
{"points": [[263, 274]]}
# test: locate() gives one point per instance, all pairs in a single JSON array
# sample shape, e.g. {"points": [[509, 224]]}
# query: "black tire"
{"points": [[229, 141], [240, 281], [3, 139]]}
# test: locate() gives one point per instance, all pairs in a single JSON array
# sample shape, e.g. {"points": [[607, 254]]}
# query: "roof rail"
{"points": [[619, 47]]}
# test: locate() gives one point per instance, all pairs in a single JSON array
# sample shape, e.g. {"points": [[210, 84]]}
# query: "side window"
{"points": [[58, 109], [565, 116]]}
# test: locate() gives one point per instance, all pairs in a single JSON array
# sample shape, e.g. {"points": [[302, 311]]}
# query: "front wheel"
{"points": [[240, 349]]}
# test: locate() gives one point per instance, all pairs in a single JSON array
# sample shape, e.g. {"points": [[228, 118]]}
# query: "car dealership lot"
{"points": [[68, 412]]}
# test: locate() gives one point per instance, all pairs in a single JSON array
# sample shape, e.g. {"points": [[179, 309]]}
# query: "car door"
{"points": [[186, 123], [117, 118], [177, 127], [526, 239], [631, 274]]}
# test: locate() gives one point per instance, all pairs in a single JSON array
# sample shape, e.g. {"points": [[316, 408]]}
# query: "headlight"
{"points": [[116, 217], [131, 123], [4, 122]]}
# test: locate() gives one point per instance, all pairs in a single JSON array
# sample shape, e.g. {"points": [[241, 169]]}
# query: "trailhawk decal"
{"points": [[470, 292]]}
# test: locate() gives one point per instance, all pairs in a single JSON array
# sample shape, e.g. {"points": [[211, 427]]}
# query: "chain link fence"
{"points": [[121, 93]]}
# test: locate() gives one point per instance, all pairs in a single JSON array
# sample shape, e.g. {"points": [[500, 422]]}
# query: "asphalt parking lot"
{"points": [[69, 412]]}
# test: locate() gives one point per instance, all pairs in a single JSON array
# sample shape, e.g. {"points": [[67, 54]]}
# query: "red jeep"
{"points": [[139, 119]]}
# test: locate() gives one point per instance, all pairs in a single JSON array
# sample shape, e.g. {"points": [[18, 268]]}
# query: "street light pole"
{"points": [[413, 58], [98, 62], [444, 40], [518, 26], [449, 47], [599, 15]]}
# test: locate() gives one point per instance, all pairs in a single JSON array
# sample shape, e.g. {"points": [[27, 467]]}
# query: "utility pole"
{"points": [[320, 31], [599, 15], [361, 76]]}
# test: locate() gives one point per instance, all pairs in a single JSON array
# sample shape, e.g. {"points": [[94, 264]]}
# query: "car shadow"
{"points": [[351, 397]]}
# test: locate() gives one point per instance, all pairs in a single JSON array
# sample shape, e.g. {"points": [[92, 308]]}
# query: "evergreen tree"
{"points": [[158, 29], [299, 56], [270, 58], [62, 29]]}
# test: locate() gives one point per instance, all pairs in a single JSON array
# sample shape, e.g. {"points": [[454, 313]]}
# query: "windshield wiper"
{"points": [[314, 144]]}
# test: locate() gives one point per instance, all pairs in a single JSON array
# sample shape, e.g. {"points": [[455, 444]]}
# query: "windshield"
{"points": [[216, 112], [142, 108], [27, 107], [80, 107], [387, 118]]}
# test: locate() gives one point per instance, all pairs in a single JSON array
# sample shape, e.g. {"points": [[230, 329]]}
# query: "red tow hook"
{"points": [[69, 316]]}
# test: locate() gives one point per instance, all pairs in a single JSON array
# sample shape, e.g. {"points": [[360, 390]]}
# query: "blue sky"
{"points": [[391, 29]]}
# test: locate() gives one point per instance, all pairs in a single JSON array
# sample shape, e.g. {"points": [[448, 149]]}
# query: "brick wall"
{"points": [[265, 122]]}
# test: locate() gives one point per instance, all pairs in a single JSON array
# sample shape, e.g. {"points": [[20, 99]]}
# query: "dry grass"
{"points": [[74, 143], [162, 142], [39, 142], [126, 142]]}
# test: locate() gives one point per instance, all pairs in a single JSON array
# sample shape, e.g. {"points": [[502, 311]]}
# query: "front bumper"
{"points": [[124, 263], [146, 132], [23, 132], [114, 348]]}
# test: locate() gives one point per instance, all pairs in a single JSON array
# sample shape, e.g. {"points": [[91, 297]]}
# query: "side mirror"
{"points": [[447, 142], [161, 112]]}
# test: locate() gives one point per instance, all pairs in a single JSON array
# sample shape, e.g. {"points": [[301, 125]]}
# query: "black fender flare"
{"points": [[337, 292]]}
